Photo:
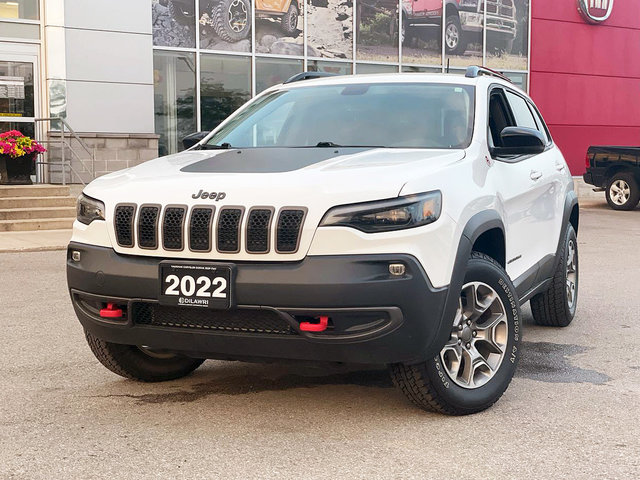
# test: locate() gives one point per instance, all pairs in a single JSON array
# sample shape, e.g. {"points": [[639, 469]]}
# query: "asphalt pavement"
{"points": [[571, 412]]}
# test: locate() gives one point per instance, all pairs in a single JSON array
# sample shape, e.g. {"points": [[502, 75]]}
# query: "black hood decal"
{"points": [[266, 160]]}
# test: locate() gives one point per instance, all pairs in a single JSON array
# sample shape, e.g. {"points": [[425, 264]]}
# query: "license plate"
{"points": [[195, 285]]}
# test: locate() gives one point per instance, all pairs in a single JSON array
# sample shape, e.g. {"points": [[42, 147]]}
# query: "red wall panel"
{"points": [[586, 78]]}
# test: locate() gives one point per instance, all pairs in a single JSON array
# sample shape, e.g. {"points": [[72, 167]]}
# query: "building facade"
{"points": [[133, 77]]}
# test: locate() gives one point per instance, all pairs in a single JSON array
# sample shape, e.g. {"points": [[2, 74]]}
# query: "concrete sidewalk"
{"points": [[35, 241]]}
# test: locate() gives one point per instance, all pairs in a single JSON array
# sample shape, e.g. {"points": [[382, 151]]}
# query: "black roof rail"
{"points": [[474, 71], [308, 76]]}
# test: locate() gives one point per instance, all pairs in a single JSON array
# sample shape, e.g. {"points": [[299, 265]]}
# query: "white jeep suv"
{"points": [[396, 220]]}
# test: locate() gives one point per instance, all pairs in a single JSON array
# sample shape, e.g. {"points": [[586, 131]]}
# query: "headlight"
{"points": [[89, 209], [387, 215]]}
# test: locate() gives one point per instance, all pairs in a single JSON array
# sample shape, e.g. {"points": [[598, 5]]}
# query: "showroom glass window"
{"points": [[225, 85], [174, 98]]}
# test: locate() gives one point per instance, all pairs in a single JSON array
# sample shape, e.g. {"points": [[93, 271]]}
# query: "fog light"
{"points": [[397, 269], [75, 256]]}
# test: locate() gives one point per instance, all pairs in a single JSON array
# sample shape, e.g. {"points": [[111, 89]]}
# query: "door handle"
{"points": [[560, 167], [535, 175]]}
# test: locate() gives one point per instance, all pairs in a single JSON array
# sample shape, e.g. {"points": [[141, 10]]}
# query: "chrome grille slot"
{"points": [[228, 231], [172, 228], [200, 229], [288, 230], [123, 223], [148, 227], [258, 225]]}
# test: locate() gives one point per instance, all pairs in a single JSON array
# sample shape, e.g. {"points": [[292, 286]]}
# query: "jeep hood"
{"points": [[272, 176]]}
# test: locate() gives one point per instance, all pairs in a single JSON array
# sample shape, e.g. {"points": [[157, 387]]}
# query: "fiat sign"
{"points": [[595, 11]]}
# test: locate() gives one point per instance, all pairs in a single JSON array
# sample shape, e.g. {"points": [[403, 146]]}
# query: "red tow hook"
{"points": [[112, 311], [315, 327]]}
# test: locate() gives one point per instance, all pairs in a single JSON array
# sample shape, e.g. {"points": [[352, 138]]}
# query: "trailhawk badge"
{"points": [[595, 11]]}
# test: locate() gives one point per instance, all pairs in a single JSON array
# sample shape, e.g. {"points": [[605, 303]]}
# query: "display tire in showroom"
{"points": [[454, 37], [477, 362], [556, 307], [623, 192], [232, 20], [289, 21], [140, 363]]}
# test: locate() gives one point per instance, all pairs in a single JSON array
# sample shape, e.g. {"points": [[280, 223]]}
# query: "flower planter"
{"points": [[16, 171]]}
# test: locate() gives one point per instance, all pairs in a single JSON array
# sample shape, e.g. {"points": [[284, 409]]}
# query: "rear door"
{"points": [[525, 188]]}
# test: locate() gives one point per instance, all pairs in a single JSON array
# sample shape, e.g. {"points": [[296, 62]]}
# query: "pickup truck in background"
{"points": [[464, 20], [616, 171]]}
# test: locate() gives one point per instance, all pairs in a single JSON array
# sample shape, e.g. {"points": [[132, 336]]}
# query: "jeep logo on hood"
{"points": [[595, 11], [211, 195]]}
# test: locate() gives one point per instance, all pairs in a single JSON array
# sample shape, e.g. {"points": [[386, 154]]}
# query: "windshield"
{"points": [[391, 115]]}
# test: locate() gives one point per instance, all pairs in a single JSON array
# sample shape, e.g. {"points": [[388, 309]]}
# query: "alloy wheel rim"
{"points": [[620, 192], [452, 36], [237, 16], [572, 275], [478, 341]]}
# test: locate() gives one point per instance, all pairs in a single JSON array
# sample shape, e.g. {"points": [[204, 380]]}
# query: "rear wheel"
{"points": [[477, 362], [454, 39], [289, 21], [623, 192], [557, 306], [141, 363]]}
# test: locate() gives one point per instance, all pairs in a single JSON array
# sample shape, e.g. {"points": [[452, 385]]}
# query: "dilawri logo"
{"points": [[595, 11]]}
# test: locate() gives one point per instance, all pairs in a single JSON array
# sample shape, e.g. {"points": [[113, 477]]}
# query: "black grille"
{"points": [[241, 320], [200, 229], [258, 230], [172, 228], [148, 227], [228, 229], [289, 225], [124, 224]]}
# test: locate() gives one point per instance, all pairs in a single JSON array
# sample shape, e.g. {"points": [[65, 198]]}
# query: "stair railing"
{"points": [[64, 141]]}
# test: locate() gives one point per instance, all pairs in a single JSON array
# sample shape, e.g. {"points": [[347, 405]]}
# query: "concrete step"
{"points": [[36, 202], [34, 191], [42, 212], [36, 224]]}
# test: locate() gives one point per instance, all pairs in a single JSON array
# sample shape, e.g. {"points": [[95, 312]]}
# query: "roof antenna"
{"points": [[448, 60]]}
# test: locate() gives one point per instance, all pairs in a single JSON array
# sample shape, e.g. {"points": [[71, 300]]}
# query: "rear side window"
{"points": [[541, 125], [521, 111]]}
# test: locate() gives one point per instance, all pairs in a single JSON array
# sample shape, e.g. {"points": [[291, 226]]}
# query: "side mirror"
{"points": [[520, 141], [190, 140]]}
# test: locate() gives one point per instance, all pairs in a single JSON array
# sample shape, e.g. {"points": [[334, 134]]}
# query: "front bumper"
{"points": [[376, 318]]}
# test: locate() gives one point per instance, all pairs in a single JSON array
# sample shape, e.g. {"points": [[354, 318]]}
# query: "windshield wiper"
{"points": [[222, 146]]}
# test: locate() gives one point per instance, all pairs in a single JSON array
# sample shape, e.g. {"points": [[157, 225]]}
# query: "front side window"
{"points": [[386, 115]]}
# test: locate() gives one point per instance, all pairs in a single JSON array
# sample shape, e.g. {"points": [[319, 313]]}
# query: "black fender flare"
{"points": [[477, 225]]}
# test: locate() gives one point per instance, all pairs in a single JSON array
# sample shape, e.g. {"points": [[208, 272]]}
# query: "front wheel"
{"points": [[232, 20], [289, 21], [141, 363], [477, 362], [623, 192]]}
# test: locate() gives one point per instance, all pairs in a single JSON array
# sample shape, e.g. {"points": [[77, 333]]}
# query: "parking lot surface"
{"points": [[571, 412]]}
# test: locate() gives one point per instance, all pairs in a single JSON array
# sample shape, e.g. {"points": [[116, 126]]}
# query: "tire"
{"points": [[179, 16], [133, 362], [454, 37], [431, 385], [289, 21], [622, 191], [555, 308], [232, 20]]}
